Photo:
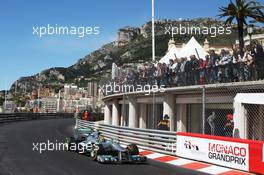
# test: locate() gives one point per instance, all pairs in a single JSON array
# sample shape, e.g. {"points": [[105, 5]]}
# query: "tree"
{"points": [[241, 10]]}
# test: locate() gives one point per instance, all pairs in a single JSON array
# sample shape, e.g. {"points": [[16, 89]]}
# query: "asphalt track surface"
{"points": [[18, 158]]}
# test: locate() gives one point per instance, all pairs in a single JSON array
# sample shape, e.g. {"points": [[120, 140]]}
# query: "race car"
{"points": [[84, 145], [109, 151], [79, 134]]}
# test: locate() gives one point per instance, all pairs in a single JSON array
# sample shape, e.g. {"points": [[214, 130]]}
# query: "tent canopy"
{"points": [[171, 54], [193, 48]]}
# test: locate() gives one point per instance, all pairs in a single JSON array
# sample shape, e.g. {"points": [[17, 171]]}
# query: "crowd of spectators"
{"points": [[238, 66]]}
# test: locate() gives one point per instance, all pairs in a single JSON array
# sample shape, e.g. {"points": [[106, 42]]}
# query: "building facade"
{"points": [[188, 109], [49, 105]]}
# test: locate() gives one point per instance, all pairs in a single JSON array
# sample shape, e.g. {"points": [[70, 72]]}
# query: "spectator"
{"points": [[248, 60], [211, 122], [188, 72], [229, 126], [229, 69], [170, 72], [165, 74], [159, 73], [164, 124], [202, 68], [214, 69], [225, 67], [86, 116], [150, 74], [208, 70], [238, 65], [177, 68], [140, 76], [258, 54], [195, 70], [182, 72], [214, 60], [144, 73]]}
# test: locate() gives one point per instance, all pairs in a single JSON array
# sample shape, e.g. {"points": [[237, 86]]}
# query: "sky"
{"points": [[25, 54]]}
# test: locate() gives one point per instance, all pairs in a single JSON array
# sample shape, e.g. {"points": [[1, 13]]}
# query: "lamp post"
{"points": [[5, 100], [153, 31], [250, 32]]}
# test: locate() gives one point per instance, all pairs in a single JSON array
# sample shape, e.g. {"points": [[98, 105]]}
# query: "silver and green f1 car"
{"points": [[84, 144], [80, 134], [112, 152]]}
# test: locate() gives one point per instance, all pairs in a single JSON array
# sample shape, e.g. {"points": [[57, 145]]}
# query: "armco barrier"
{"points": [[153, 140], [235, 153], [13, 117]]}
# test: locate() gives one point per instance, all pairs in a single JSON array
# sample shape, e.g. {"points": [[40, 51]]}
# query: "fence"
{"points": [[13, 117], [218, 110], [210, 109], [153, 140]]}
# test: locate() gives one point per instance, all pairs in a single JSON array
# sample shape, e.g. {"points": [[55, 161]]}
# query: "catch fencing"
{"points": [[214, 112]]}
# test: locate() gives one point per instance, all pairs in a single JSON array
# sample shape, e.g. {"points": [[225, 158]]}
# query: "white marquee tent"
{"points": [[193, 48], [171, 54]]}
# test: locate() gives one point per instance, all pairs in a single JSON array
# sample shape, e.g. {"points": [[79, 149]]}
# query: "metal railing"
{"points": [[13, 117], [147, 139]]}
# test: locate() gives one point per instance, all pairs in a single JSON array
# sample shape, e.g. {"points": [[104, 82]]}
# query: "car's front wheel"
{"points": [[133, 149], [93, 155]]}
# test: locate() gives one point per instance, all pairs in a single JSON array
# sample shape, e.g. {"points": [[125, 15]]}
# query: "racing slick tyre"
{"points": [[123, 157], [95, 152], [133, 149], [93, 155]]}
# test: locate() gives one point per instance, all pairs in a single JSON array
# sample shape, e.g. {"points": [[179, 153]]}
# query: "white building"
{"points": [[49, 105], [9, 106], [258, 37]]}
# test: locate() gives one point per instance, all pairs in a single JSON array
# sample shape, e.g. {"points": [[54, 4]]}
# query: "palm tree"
{"points": [[241, 10]]}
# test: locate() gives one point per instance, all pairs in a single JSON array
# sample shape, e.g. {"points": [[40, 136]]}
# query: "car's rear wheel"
{"points": [[95, 152], [123, 157]]}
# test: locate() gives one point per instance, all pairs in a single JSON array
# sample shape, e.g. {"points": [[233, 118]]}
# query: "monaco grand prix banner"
{"points": [[239, 154], [229, 154]]}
